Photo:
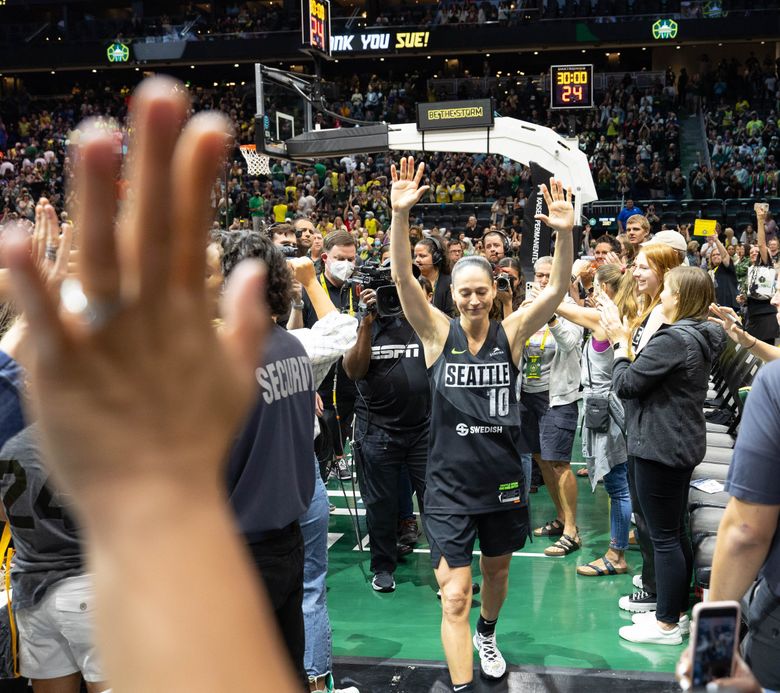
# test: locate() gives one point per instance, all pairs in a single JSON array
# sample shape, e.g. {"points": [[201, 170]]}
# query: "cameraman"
{"points": [[496, 245], [391, 426], [283, 236], [304, 234]]}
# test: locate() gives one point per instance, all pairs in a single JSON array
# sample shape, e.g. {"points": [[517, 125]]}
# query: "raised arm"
{"points": [[525, 321], [430, 324], [730, 322], [584, 317], [725, 258], [303, 269], [761, 210]]}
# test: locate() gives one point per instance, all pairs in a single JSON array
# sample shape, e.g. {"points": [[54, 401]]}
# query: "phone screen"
{"points": [[716, 633]]}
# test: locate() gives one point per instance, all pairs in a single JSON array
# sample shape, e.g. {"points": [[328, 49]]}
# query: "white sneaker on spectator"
{"points": [[636, 581], [649, 632], [649, 616], [491, 662]]}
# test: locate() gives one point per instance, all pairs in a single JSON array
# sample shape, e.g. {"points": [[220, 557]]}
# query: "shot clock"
{"points": [[571, 86], [316, 26]]}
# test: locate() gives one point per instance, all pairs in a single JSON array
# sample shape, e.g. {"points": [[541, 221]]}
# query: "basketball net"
{"points": [[257, 164]]}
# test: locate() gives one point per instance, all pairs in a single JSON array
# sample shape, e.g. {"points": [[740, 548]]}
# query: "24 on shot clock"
{"points": [[571, 86]]}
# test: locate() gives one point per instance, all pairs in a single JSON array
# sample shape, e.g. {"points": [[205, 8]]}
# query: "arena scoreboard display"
{"points": [[316, 26], [571, 86]]}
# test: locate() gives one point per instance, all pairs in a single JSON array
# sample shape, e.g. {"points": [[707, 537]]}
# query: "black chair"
{"points": [[704, 522], [701, 499], [712, 209], [687, 217], [741, 221], [703, 551], [732, 207], [711, 470], [671, 206]]}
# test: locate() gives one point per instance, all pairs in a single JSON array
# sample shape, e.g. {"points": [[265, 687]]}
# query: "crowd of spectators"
{"points": [[631, 140], [741, 101]]}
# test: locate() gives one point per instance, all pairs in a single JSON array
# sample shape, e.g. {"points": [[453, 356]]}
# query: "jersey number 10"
{"points": [[499, 401]]}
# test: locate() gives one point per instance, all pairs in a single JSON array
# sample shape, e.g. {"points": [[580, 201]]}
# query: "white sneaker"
{"points": [[649, 617], [636, 581], [491, 662], [649, 632]]}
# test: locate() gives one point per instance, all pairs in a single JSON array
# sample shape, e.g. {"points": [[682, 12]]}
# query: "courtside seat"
{"points": [[705, 522], [718, 455], [719, 440], [703, 552], [717, 428], [711, 470], [701, 499]]}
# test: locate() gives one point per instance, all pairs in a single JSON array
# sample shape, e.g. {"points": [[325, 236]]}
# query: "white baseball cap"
{"points": [[671, 238]]}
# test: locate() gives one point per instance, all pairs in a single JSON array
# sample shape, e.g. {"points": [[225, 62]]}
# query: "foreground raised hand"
{"points": [[138, 400]]}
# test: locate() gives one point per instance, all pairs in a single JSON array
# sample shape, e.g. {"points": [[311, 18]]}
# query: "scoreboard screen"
{"points": [[316, 25], [571, 86]]}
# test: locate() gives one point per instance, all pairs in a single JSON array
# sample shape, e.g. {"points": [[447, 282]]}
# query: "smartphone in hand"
{"points": [[714, 638]]}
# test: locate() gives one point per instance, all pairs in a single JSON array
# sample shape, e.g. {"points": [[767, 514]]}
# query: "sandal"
{"points": [[599, 572], [564, 546], [553, 528], [582, 471]]}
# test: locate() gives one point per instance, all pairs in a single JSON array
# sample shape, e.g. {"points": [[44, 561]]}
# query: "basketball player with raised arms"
{"points": [[474, 480]]}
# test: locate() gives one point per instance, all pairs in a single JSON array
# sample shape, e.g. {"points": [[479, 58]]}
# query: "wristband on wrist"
{"points": [[297, 305]]}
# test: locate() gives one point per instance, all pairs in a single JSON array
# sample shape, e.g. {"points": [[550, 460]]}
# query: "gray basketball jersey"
{"points": [[47, 544]]}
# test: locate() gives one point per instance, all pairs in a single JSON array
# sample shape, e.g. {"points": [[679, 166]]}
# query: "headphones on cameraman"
{"points": [[504, 239], [437, 256]]}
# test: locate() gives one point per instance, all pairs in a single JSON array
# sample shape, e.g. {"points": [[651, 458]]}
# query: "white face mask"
{"points": [[341, 269]]}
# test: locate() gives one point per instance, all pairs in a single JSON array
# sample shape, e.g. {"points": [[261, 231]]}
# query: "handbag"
{"points": [[596, 406], [9, 636]]}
